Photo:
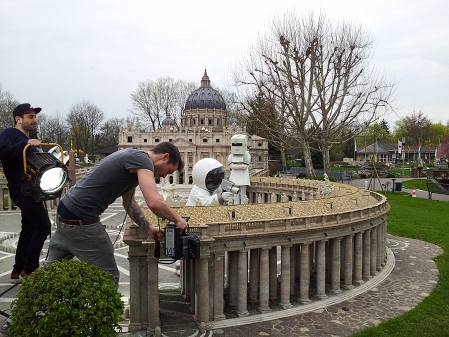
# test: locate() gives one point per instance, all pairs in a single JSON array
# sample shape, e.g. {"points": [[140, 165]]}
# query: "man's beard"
{"points": [[29, 127]]}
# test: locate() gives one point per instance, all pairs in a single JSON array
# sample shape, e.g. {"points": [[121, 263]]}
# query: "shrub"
{"points": [[67, 298]]}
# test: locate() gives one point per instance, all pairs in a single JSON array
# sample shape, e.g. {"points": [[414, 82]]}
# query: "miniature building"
{"points": [[205, 132], [331, 242]]}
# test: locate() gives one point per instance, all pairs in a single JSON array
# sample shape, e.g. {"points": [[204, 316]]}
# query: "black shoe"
{"points": [[5, 327]]}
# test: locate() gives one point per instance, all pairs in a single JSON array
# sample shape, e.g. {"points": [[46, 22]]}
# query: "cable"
{"points": [[48, 250], [124, 219]]}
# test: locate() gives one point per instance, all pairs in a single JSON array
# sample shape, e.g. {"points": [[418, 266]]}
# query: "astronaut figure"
{"points": [[239, 161], [207, 175]]}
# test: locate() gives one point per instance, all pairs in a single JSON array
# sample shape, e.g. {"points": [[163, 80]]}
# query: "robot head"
{"points": [[239, 144], [207, 174]]}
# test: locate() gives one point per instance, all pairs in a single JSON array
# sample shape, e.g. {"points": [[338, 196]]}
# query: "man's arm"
{"points": [[134, 211], [155, 201]]}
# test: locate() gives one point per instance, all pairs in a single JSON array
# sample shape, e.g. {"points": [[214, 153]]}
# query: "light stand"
{"points": [[45, 175]]}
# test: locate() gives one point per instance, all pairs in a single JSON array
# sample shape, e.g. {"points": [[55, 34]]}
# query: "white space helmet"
{"points": [[208, 174]]}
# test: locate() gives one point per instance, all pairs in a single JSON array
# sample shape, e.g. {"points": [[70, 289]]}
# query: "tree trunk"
{"points": [[326, 158], [308, 161]]}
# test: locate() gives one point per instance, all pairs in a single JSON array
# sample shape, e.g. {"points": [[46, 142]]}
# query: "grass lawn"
{"points": [[419, 184], [425, 220]]}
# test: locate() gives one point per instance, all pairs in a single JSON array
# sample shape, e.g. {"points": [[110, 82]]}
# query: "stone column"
{"points": [[380, 242], [383, 254], [366, 269], [138, 271], [233, 277], [285, 277], [191, 277], [292, 269], [153, 294], [348, 262], [264, 283], [253, 275], [211, 273], [373, 251], [304, 278], [297, 261], [71, 168], [328, 252], [273, 273], [218, 287], [358, 259], [385, 238], [336, 261], [242, 291], [186, 168], [183, 278], [320, 270], [202, 290]]}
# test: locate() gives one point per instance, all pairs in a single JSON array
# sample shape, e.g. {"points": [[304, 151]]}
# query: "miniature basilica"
{"points": [[205, 132]]}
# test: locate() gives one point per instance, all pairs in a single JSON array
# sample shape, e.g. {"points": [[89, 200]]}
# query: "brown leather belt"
{"points": [[74, 222]]}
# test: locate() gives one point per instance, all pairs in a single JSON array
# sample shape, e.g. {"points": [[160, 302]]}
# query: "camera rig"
{"points": [[179, 245], [229, 186]]}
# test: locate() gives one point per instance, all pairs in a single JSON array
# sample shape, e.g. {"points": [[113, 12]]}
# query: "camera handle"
{"points": [[157, 241]]}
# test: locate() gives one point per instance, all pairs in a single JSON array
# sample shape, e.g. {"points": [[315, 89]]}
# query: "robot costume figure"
{"points": [[239, 161], [207, 175]]}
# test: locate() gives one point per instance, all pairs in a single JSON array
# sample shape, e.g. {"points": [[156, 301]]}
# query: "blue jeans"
{"points": [[36, 226], [89, 243]]}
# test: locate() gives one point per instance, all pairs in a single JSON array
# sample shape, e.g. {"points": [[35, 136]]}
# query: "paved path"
{"points": [[409, 276], [376, 186]]}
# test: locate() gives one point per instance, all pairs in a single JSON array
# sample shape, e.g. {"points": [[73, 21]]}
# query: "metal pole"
{"points": [[403, 155], [365, 147]]}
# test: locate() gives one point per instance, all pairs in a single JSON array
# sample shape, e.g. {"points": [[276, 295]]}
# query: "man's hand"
{"points": [[34, 142], [182, 224], [155, 232]]}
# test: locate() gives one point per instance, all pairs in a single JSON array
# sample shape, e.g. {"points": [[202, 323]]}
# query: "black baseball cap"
{"points": [[24, 108]]}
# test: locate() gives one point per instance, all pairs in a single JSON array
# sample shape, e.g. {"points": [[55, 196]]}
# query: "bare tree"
{"points": [[54, 129], [266, 122], [109, 132], [84, 120], [153, 101], [183, 91], [7, 105], [320, 78]]}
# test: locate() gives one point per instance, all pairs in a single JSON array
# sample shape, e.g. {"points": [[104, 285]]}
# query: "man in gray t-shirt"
{"points": [[80, 232]]}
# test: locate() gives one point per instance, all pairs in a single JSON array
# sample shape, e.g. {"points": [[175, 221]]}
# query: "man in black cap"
{"points": [[36, 225]]}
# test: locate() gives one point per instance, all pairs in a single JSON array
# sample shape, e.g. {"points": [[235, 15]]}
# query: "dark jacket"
{"points": [[12, 143]]}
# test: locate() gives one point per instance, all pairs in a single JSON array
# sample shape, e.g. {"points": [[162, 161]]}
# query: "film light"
{"points": [[45, 175]]}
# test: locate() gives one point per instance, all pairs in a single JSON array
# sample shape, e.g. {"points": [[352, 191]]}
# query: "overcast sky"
{"points": [[54, 53]]}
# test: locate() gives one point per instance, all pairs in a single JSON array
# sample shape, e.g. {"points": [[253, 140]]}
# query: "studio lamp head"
{"points": [[45, 175]]}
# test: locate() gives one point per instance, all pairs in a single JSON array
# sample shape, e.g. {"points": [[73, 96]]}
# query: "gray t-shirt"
{"points": [[104, 183]]}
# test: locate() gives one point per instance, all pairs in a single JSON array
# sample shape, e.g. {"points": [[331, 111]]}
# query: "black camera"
{"points": [[180, 245]]}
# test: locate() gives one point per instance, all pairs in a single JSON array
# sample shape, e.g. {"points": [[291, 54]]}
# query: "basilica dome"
{"points": [[205, 97], [168, 121]]}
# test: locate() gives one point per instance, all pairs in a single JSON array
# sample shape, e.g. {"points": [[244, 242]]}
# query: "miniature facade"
{"points": [[205, 132]]}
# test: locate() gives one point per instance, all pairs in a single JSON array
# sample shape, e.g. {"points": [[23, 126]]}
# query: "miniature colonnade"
{"points": [[326, 246]]}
